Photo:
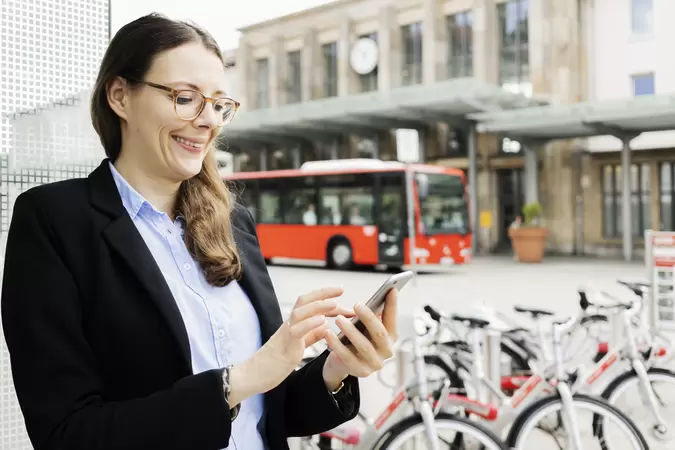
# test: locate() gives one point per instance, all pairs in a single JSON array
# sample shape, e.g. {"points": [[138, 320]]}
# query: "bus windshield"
{"points": [[443, 208]]}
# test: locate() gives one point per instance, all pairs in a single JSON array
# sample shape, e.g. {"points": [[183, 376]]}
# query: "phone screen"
{"points": [[377, 301]]}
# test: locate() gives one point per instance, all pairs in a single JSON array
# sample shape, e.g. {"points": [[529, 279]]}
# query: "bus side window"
{"points": [[347, 200], [270, 201], [300, 201], [392, 213]]}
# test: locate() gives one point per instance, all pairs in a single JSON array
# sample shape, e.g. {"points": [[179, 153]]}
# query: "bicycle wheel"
{"points": [[624, 392], [468, 435], [624, 435]]}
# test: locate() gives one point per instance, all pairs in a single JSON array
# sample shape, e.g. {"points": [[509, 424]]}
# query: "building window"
{"points": [[294, 78], [642, 16], [460, 45], [330, 73], [412, 54], [369, 80], [514, 59], [263, 83], [643, 84], [612, 207], [666, 192]]}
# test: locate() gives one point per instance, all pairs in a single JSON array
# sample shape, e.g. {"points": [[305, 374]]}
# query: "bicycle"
{"points": [[625, 367], [641, 371], [536, 397], [393, 427]]}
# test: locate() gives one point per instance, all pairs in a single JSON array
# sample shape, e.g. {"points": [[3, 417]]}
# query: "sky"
{"points": [[220, 17]]}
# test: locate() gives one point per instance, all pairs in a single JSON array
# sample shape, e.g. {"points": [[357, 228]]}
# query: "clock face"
{"points": [[364, 56]]}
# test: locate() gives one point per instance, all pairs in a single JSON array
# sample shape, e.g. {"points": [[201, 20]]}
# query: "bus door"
{"points": [[391, 217]]}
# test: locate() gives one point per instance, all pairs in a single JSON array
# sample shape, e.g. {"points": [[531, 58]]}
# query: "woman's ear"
{"points": [[118, 93]]}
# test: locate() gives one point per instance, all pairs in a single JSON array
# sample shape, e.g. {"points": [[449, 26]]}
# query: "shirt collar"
{"points": [[131, 199]]}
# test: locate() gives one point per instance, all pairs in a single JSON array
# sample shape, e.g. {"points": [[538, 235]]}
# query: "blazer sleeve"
{"points": [[310, 408], [55, 371]]}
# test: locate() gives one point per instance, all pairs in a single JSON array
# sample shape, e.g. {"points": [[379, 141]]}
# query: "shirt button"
{"points": [[187, 266], [168, 230], [221, 333]]}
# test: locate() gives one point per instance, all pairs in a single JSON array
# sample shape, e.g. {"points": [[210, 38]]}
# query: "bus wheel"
{"points": [[340, 255]]}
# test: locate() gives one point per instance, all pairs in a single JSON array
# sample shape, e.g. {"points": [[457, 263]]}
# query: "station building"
{"points": [[503, 89]]}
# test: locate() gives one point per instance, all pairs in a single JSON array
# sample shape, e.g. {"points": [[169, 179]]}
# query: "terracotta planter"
{"points": [[528, 243]]}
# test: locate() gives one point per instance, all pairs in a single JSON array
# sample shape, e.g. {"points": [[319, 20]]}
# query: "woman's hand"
{"points": [[364, 355], [283, 352]]}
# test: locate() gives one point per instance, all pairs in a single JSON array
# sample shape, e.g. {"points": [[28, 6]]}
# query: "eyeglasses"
{"points": [[189, 104]]}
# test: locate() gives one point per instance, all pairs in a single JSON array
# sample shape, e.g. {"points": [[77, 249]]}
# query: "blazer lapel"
{"points": [[123, 237]]}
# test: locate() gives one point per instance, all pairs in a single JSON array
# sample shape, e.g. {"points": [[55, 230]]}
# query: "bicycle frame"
{"points": [[413, 392], [537, 385], [628, 351]]}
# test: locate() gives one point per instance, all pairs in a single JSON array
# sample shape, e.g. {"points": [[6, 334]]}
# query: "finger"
{"points": [[354, 364], [390, 314], [377, 333], [361, 343], [322, 307], [300, 329], [315, 335], [319, 294], [339, 310]]}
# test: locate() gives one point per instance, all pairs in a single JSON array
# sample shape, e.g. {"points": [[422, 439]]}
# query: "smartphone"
{"points": [[376, 302]]}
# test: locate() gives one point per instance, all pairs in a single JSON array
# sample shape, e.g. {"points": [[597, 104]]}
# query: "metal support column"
{"points": [[531, 175], [334, 149], [627, 232], [493, 362], [296, 156], [473, 188], [263, 159], [377, 139]]}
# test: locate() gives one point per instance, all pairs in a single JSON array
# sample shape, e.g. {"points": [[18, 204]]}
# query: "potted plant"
{"points": [[528, 238]]}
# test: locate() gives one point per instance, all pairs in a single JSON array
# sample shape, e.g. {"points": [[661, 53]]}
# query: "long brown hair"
{"points": [[203, 201]]}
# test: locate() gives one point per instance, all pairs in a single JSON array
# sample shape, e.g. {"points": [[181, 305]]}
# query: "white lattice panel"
{"points": [[50, 51]]}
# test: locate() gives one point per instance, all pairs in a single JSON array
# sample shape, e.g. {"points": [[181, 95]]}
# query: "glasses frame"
{"points": [[176, 92]]}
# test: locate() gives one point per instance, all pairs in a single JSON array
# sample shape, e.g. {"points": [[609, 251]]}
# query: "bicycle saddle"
{"points": [[534, 312], [636, 286], [473, 322]]}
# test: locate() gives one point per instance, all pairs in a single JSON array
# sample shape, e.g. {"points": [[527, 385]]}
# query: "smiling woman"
{"points": [[136, 304]]}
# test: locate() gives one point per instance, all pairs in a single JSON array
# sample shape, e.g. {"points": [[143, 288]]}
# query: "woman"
{"points": [[136, 304]]}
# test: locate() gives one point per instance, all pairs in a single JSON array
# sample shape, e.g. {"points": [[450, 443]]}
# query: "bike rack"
{"points": [[492, 340], [403, 356]]}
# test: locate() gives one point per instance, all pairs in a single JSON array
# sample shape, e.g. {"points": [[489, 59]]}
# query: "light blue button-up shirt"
{"points": [[222, 326]]}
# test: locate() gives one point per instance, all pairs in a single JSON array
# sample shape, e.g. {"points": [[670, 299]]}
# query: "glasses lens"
{"points": [[188, 104], [224, 110]]}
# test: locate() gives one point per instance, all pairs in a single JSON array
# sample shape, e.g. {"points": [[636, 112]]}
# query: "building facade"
{"points": [[626, 61], [533, 47], [50, 53]]}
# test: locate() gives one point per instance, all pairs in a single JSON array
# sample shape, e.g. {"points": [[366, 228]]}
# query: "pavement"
{"points": [[498, 282]]}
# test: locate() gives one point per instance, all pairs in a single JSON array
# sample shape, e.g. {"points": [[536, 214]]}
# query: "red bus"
{"points": [[357, 212]]}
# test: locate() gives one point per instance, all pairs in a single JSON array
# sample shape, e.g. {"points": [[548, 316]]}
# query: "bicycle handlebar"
{"points": [[434, 314], [585, 303]]}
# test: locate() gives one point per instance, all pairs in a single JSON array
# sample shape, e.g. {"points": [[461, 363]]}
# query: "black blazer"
{"points": [[100, 355]]}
